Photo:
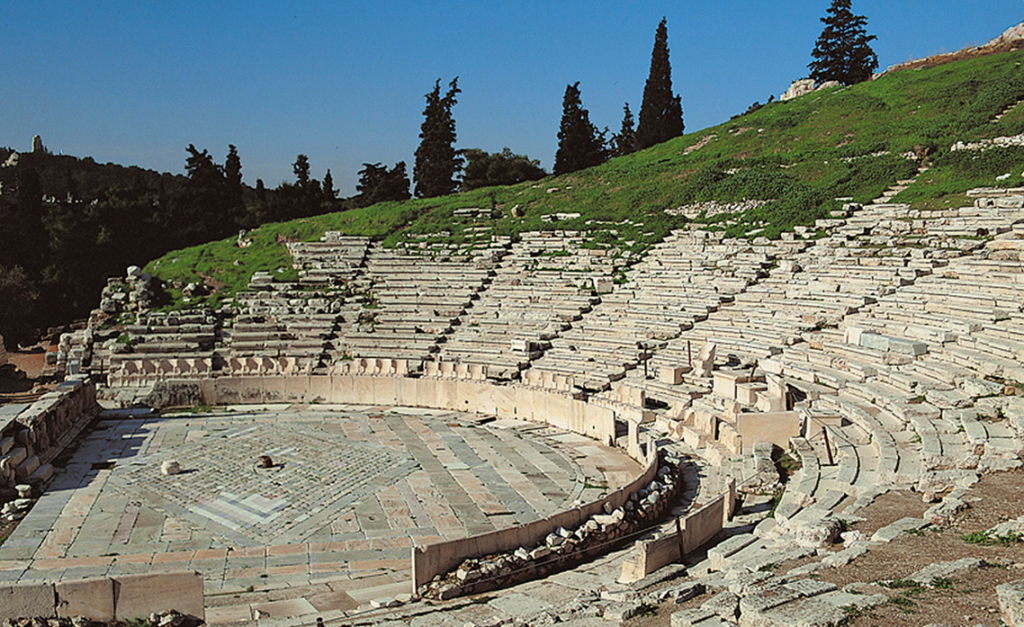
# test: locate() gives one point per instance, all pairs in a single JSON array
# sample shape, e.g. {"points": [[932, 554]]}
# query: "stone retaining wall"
{"points": [[443, 557], [109, 599], [695, 530]]}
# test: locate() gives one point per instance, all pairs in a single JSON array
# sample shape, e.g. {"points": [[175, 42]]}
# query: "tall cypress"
{"points": [[580, 144], [234, 189], [330, 194], [661, 112], [625, 140], [437, 161]]}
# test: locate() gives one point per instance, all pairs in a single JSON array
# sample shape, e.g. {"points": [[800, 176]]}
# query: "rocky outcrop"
{"points": [[1014, 33], [799, 88]]}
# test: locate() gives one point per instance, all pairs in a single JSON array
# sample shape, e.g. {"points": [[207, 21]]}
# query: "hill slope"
{"points": [[794, 158]]}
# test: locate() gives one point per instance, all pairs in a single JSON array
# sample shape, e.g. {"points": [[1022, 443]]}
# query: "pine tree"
{"points": [[580, 144], [661, 112], [437, 162], [625, 140], [842, 52]]}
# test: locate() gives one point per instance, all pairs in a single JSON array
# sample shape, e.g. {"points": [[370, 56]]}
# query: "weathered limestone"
{"points": [[122, 598], [36, 434], [799, 88], [1011, 602], [943, 570], [901, 526], [26, 601]]}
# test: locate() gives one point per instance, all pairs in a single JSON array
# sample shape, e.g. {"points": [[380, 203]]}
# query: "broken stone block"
{"points": [[1011, 602], [903, 525]]}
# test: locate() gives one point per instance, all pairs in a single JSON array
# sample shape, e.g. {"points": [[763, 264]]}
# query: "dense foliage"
{"points": [[501, 168], [661, 112], [379, 184], [66, 224], [580, 144], [843, 52]]}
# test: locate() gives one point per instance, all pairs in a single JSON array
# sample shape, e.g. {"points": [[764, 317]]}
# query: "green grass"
{"points": [[800, 155], [985, 538]]}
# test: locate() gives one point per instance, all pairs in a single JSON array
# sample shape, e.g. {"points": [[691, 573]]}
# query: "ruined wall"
{"points": [[40, 432], [123, 598], [695, 530], [774, 427]]}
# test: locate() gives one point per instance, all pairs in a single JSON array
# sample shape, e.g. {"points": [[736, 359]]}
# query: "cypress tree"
{"points": [[233, 181], [661, 112], [437, 161], [625, 139], [580, 144], [301, 170], [841, 52], [330, 195]]}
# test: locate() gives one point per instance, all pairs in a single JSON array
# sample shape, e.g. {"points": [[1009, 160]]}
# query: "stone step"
{"points": [[25, 469]]}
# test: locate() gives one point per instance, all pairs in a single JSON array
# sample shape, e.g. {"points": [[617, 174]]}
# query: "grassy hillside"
{"points": [[799, 155]]}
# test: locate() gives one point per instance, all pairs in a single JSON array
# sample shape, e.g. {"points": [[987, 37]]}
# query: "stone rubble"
{"points": [[563, 547]]}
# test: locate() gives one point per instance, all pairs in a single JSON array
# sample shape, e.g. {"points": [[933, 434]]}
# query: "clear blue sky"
{"points": [[344, 82]]}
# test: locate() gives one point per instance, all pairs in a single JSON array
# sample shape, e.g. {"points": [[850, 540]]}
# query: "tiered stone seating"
{"points": [[968, 312], [307, 336], [173, 334], [817, 286], [544, 284], [333, 260], [158, 343], [680, 282], [415, 302]]}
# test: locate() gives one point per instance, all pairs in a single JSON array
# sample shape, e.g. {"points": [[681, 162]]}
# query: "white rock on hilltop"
{"points": [[1011, 34]]}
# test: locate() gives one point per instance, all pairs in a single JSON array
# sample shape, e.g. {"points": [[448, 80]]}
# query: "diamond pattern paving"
{"points": [[222, 486]]}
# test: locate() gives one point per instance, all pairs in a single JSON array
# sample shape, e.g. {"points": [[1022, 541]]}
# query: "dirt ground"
{"points": [[29, 365], [965, 599]]}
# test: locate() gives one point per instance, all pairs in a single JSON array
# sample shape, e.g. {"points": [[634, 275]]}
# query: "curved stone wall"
{"points": [[559, 410]]}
